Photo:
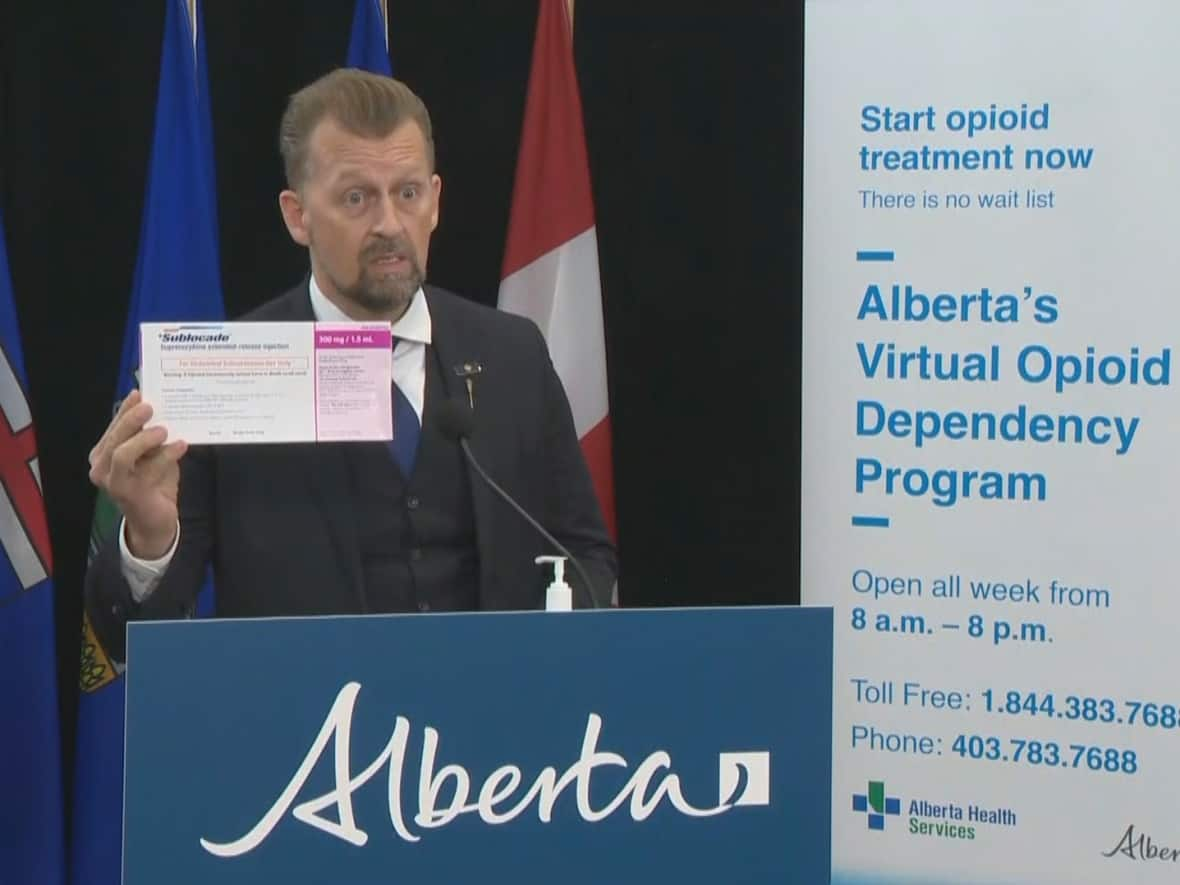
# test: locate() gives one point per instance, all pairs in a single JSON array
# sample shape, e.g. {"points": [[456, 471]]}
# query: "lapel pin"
{"points": [[467, 371]]}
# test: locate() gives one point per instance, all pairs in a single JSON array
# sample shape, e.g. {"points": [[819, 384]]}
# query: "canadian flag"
{"points": [[550, 271]]}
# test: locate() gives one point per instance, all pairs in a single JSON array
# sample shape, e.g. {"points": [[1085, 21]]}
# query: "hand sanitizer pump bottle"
{"points": [[559, 596]]}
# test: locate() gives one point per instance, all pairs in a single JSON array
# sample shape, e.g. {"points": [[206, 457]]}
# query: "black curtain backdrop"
{"points": [[694, 122]]}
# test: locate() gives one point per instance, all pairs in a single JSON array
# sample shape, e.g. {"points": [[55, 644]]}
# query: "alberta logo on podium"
{"points": [[876, 805], [449, 792]]}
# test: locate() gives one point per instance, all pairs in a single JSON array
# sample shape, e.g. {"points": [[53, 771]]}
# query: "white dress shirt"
{"points": [[412, 332]]}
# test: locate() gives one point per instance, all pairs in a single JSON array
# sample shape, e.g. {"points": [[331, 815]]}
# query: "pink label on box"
{"points": [[353, 380]]}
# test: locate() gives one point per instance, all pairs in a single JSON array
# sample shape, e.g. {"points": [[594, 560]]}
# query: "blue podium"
{"points": [[595, 747]]}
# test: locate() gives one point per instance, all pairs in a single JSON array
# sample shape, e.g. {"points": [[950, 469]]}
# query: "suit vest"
{"points": [[416, 534]]}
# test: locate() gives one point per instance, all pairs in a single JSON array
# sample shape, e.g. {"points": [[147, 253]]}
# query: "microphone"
{"points": [[456, 421]]}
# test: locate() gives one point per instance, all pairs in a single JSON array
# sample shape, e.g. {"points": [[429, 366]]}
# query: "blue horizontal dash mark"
{"points": [[870, 255], [872, 521]]}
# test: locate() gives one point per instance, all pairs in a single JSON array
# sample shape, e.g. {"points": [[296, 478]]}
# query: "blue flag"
{"points": [[31, 812], [367, 48], [177, 279]]}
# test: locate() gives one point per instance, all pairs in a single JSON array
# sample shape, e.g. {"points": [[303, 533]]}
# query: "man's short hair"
{"points": [[361, 103]]}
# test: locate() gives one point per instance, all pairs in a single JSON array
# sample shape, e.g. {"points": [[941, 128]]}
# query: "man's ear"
{"points": [[436, 186], [292, 208]]}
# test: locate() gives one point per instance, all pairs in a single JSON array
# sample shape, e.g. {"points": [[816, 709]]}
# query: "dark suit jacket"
{"points": [[276, 524]]}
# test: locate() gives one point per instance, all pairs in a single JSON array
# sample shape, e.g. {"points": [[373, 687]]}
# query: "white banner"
{"points": [[991, 321]]}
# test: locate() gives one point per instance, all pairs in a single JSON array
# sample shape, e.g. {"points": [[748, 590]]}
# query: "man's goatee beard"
{"points": [[388, 294]]}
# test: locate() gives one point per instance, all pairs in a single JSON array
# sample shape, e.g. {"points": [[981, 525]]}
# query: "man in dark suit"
{"points": [[352, 528]]}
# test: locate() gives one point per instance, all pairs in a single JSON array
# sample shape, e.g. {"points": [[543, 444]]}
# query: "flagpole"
{"points": [[569, 5]]}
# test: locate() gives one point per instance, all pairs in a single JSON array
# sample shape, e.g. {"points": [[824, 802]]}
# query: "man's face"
{"points": [[366, 210]]}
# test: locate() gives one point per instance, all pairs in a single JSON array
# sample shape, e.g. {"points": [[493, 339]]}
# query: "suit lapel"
{"points": [[453, 348]]}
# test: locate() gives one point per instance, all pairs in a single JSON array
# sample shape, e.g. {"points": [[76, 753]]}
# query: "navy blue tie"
{"points": [[406, 431]]}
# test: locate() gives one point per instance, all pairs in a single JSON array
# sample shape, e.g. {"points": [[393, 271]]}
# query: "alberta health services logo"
{"points": [[876, 804], [939, 820]]}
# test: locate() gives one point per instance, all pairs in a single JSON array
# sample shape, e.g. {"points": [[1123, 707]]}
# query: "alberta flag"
{"points": [[31, 823], [177, 279]]}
